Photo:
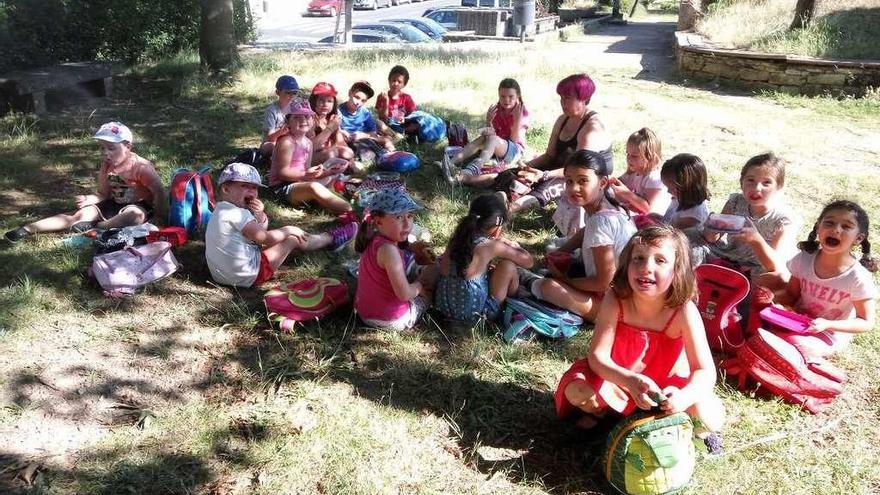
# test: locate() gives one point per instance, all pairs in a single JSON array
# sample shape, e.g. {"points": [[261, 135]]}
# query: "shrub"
{"points": [[41, 32]]}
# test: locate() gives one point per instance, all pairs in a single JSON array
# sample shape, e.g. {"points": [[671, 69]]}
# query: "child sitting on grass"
{"points": [[640, 189], [647, 324], [327, 141], [237, 232], [385, 298], [129, 191], [394, 105], [469, 287], [356, 121], [287, 90]]}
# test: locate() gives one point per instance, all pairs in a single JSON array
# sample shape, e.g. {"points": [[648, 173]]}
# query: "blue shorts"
{"points": [[513, 152]]}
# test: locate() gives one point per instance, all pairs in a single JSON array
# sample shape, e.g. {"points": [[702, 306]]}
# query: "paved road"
{"points": [[283, 21]]}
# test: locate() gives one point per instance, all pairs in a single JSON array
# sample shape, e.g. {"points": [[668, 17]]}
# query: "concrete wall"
{"points": [[792, 74]]}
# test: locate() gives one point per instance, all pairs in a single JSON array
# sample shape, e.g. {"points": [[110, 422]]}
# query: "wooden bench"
{"points": [[27, 90]]}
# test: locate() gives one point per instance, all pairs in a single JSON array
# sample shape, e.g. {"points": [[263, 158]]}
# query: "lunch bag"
{"points": [[524, 318], [398, 161], [778, 368], [431, 128], [650, 454], [719, 290], [191, 199], [122, 272], [304, 299], [176, 236]]}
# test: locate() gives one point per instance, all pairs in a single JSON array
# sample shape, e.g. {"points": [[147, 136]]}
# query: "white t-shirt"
{"points": [[641, 184], [232, 259], [607, 227], [831, 298], [699, 212]]}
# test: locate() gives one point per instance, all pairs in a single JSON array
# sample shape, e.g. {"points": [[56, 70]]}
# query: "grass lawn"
{"points": [[840, 29], [184, 388]]}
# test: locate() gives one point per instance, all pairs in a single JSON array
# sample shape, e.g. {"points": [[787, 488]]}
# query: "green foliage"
{"points": [[41, 32]]}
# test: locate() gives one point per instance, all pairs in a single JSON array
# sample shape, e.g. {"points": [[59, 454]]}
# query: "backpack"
{"points": [[304, 299], [456, 134], [523, 318], [191, 199], [431, 128], [781, 370], [650, 454], [176, 236], [368, 151], [398, 161], [250, 156], [122, 272], [719, 290]]}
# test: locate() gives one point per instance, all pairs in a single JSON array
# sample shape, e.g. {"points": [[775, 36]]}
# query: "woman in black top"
{"points": [[578, 128]]}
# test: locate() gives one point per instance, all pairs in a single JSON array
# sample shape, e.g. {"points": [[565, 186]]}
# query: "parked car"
{"points": [[425, 25], [324, 8], [447, 18], [398, 2], [408, 33], [494, 4], [371, 4], [367, 36]]}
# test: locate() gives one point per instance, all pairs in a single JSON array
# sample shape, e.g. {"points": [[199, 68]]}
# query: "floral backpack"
{"points": [[304, 299]]}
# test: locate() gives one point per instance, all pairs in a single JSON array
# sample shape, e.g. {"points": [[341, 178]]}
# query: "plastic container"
{"points": [[720, 222]]}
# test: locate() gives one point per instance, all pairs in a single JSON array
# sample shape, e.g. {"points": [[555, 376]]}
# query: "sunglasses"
{"points": [[290, 92]]}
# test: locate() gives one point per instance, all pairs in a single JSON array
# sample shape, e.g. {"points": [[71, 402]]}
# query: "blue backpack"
{"points": [[398, 161], [524, 318], [191, 199], [431, 128]]}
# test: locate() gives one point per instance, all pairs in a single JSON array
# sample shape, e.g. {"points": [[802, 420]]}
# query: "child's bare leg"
{"points": [[128, 216], [313, 191], [469, 150], [322, 155], [277, 253], [504, 280], [710, 411], [63, 221], [493, 147], [385, 130], [552, 291], [484, 180], [343, 152], [582, 396], [386, 143]]}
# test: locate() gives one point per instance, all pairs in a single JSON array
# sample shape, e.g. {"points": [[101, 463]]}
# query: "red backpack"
{"points": [[720, 289], [780, 369]]}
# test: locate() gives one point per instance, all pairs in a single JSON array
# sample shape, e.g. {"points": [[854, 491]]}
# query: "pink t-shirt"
{"points": [[503, 124], [398, 106], [302, 150], [375, 298], [640, 185], [127, 183]]}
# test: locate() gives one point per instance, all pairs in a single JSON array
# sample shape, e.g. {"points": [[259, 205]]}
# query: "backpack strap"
{"points": [[197, 199], [205, 177]]}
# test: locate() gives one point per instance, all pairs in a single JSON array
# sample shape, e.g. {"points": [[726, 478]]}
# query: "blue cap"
{"points": [[393, 201], [286, 83]]}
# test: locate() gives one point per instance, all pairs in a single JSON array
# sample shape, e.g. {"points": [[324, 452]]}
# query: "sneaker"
{"points": [[447, 166], [527, 278], [342, 236], [82, 227], [17, 234], [348, 217], [713, 444]]}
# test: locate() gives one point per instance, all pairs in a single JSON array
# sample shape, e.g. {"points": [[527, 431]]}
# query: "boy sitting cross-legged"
{"points": [[238, 248]]}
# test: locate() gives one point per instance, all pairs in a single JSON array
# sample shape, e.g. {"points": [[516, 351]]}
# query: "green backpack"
{"points": [[650, 454]]}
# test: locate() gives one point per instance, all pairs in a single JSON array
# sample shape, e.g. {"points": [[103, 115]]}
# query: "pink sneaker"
{"points": [[342, 236]]}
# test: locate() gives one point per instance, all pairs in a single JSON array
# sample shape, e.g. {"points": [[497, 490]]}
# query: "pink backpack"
{"points": [[122, 272], [781, 370], [304, 299], [719, 290]]}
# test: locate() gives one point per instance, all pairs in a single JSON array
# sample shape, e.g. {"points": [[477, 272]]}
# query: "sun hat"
{"points": [[300, 107], [363, 86], [114, 132], [393, 201], [240, 172], [324, 89], [286, 83]]}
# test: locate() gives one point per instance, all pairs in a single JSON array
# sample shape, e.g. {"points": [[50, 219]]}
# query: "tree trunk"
{"points": [[217, 50], [803, 14]]}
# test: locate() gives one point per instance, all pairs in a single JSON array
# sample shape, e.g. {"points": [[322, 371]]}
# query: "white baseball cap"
{"points": [[114, 132]]}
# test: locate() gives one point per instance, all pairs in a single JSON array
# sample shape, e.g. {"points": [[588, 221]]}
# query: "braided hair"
{"points": [[486, 212], [811, 244]]}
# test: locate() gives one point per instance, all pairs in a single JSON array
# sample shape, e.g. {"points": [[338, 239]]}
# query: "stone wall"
{"points": [[793, 74]]}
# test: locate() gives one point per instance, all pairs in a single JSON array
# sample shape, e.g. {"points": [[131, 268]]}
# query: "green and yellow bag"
{"points": [[650, 454]]}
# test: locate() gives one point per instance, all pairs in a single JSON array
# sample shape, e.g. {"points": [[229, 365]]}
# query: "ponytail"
{"points": [[366, 231], [811, 245], [486, 212], [869, 262]]}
